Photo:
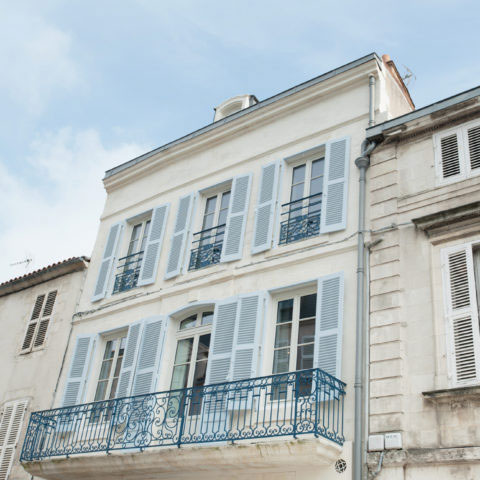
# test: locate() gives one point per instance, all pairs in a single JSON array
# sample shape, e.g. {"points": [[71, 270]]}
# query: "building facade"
{"points": [[36, 315], [424, 190], [215, 333]]}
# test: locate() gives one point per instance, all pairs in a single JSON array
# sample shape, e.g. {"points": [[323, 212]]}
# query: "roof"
{"points": [[246, 111], [55, 270], [377, 131]]}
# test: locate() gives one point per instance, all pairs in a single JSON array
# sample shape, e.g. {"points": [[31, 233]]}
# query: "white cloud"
{"points": [[35, 59], [54, 213]]}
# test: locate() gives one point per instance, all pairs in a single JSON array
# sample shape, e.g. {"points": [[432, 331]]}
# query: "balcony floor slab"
{"points": [[205, 461]]}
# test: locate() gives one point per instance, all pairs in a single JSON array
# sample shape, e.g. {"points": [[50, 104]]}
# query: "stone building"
{"points": [[424, 209], [36, 316], [215, 332]]}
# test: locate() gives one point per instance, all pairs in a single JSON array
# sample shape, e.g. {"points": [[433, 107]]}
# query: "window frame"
{"points": [[466, 172]]}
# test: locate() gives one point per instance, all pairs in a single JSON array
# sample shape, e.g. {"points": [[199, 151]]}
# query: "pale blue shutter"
{"points": [[148, 270], [328, 325], [335, 186], [247, 337], [180, 235], [149, 355], [129, 362], [78, 373], [221, 349], [236, 219], [108, 259], [265, 211]]}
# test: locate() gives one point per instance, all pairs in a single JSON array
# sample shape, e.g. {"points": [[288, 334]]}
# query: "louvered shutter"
{"points": [[149, 355], [450, 155], [45, 320], [148, 270], [180, 235], [108, 261], [236, 219], [265, 211], [221, 349], [247, 332], [335, 186], [10, 428], [473, 142], [129, 361], [32, 325], [462, 315], [79, 369], [328, 324]]}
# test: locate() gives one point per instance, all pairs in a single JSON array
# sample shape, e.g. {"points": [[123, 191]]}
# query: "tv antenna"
{"points": [[408, 76]]}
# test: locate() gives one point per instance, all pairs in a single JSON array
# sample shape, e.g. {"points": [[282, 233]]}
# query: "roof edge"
{"points": [[65, 267], [268, 101]]}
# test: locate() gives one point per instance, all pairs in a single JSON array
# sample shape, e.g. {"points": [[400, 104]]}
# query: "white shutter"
{"points": [[472, 140], [265, 211], [237, 218], [335, 186], [221, 349], [247, 337], [328, 324], [129, 361], [108, 258], [180, 235], [149, 355], [10, 428], [462, 315], [78, 373], [148, 270]]}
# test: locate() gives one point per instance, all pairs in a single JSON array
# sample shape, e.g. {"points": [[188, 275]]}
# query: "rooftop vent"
{"points": [[234, 105]]}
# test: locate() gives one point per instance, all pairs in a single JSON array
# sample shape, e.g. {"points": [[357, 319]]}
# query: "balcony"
{"points": [[307, 404], [300, 219], [128, 269], [206, 247]]}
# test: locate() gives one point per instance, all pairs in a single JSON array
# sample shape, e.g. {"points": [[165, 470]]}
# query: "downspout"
{"points": [[362, 162]]}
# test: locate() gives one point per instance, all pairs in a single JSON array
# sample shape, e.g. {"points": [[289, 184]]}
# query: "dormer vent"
{"points": [[234, 105]]}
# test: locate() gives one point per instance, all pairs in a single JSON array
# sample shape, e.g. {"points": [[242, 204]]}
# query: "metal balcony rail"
{"points": [[300, 219], [128, 269], [206, 247], [282, 405]]}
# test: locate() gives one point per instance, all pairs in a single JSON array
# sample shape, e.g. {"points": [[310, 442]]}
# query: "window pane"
{"points": [[207, 318], [109, 350], [208, 223], [132, 248], [145, 236], [317, 167], [203, 345], [188, 322], [280, 360], [285, 311], [199, 375], [113, 391], [306, 331], [297, 193], [308, 305], [225, 201], [210, 205], [283, 335], [184, 351], [298, 174], [179, 377], [105, 369], [316, 186], [101, 390], [305, 357]]}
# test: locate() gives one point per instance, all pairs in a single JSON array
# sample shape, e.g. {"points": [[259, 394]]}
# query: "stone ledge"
{"points": [[425, 456], [452, 394]]}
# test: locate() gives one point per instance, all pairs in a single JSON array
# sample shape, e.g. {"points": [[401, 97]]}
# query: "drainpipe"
{"points": [[362, 162]]}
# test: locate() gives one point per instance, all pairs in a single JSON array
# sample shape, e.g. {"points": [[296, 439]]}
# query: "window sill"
{"points": [[471, 392]]}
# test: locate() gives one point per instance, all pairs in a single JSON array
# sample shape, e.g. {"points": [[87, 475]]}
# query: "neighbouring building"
{"points": [[424, 209], [36, 317], [215, 333]]}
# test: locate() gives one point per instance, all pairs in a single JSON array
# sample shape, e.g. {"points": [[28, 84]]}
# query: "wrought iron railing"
{"points": [[128, 269], [206, 247], [300, 219], [287, 404]]}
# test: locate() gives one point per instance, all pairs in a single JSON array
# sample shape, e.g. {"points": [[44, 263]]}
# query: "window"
{"points": [[295, 334], [301, 215], [208, 242], [461, 266], [39, 321], [110, 368], [191, 358], [457, 152], [128, 268]]}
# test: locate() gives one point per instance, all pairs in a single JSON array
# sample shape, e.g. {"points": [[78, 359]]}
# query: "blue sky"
{"points": [[86, 85]]}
